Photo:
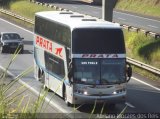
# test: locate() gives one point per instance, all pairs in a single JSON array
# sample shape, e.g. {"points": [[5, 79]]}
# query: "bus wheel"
{"points": [[2, 50], [44, 87], [42, 79], [65, 99]]}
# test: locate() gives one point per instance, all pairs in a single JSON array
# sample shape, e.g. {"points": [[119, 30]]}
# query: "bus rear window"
{"points": [[98, 41]]}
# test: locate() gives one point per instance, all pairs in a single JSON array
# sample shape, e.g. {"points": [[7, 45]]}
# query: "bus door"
{"points": [[57, 69]]}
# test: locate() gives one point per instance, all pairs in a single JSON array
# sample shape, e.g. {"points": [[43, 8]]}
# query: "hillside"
{"points": [[144, 7]]}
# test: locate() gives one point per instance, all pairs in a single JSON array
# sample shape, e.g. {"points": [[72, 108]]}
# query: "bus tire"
{"points": [[2, 50], [65, 98], [39, 74], [43, 77], [45, 87]]}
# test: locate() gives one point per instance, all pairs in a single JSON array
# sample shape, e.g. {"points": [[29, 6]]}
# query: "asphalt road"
{"points": [[145, 23], [141, 98]]}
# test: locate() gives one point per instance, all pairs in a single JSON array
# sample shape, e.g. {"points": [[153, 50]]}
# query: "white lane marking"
{"points": [[137, 16], [60, 108], [121, 18], [153, 26], [95, 7], [30, 51], [74, 7], [141, 89], [16, 26], [129, 105], [146, 84], [95, 12]]}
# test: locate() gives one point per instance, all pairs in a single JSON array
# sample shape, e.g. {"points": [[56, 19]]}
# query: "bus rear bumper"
{"points": [[85, 99]]}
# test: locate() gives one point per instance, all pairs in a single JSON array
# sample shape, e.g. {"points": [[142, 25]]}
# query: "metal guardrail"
{"points": [[129, 60], [16, 16], [150, 33], [143, 66]]}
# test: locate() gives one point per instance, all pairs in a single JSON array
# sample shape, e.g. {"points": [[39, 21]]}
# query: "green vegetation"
{"points": [[7, 98], [12, 103], [147, 7], [142, 48], [24, 7], [27, 9]]}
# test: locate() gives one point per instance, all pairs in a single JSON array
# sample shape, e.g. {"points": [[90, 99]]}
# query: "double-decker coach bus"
{"points": [[81, 58]]}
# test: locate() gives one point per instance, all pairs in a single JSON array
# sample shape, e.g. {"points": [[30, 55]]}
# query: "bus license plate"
{"points": [[100, 101], [13, 46]]}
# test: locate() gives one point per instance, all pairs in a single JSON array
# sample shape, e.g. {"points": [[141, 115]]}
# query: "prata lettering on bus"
{"points": [[46, 44], [99, 55]]}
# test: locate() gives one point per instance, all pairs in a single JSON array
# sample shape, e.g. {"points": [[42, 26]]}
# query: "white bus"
{"points": [[81, 58]]}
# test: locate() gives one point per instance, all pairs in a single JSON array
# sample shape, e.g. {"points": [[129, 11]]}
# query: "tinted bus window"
{"points": [[54, 65], [97, 41], [52, 30]]}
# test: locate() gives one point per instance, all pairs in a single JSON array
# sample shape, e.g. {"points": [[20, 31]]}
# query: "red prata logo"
{"points": [[44, 43], [58, 51]]}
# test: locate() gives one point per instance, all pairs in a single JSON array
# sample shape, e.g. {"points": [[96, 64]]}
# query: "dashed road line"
{"points": [[17, 26], [121, 18], [129, 105], [153, 26]]}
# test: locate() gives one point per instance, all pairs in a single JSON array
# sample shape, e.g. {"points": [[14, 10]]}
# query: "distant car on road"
{"points": [[9, 41]]}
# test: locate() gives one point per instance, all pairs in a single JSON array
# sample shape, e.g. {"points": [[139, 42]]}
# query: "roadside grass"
{"points": [[143, 48], [17, 21], [144, 7], [26, 8], [145, 73], [9, 97]]}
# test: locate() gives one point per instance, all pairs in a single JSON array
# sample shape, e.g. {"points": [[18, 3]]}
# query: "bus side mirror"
{"points": [[1, 43], [70, 74], [129, 72]]}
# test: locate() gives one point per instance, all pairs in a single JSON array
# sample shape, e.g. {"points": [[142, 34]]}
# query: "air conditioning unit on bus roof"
{"points": [[89, 19], [77, 16], [66, 13]]}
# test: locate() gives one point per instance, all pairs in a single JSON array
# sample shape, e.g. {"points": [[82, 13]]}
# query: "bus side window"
{"points": [[54, 65]]}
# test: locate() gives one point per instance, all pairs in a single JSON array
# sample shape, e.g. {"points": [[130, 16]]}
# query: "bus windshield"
{"points": [[99, 71]]}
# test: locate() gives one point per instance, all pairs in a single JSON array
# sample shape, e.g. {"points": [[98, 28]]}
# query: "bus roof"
{"points": [[76, 20]]}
